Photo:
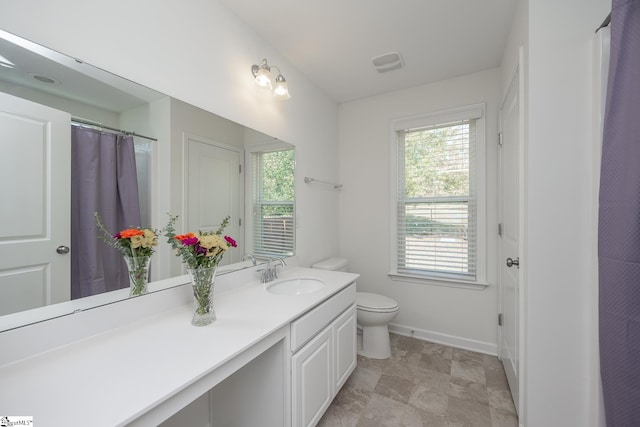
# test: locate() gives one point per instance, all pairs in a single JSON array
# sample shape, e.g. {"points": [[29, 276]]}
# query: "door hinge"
{"points": [[499, 319], [500, 139], [500, 229], [240, 222], [240, 169]]}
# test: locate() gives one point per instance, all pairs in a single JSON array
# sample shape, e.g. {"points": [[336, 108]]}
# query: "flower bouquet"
{"points": [[136, 246], [201, 252]]}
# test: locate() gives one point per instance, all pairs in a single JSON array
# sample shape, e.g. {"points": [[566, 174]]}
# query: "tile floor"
{"points": [[424, 384]]}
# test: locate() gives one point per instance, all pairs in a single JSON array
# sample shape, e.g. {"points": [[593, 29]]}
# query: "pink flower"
{"points": [[190, 241], [231, 242]]}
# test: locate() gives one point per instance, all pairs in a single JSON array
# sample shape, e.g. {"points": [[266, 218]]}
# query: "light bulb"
{"points": [[281, 91], [263, 78]]}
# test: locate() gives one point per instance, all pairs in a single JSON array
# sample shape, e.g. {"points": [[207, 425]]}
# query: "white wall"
{"points": [[435, 312], [560, 170], [197, 51]]}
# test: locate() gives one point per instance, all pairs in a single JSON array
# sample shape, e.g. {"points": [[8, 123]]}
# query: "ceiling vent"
{"points": [[387, 62]]}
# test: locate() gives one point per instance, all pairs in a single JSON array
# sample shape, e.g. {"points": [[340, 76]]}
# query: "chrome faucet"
{"points": [[251, 257], [270, 273]]}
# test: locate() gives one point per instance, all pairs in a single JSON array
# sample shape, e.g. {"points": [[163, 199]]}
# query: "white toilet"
{"points": [[374, 314]]}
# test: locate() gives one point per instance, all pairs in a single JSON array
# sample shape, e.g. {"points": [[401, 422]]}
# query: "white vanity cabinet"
{"points": [[268, 360], [323, 342]]}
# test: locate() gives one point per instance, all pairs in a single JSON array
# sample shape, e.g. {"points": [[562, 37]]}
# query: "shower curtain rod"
{"points": [[101, 126]]}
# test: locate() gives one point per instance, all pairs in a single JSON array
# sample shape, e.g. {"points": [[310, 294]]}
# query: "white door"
{"points": [[510, 196], [35, 167], [213, 190]]}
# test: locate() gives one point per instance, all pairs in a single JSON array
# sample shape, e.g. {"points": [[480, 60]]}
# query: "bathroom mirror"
{"points": [[182, 132]]}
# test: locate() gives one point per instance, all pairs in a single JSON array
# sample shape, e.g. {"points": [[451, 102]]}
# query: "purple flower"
{"points": [[199, 250]]}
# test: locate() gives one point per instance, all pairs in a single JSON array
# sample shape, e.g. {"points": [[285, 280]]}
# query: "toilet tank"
{"points": [[335, 264]]}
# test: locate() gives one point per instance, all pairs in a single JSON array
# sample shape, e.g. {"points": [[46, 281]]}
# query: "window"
{"points": [[273, 203], [439, 213]]}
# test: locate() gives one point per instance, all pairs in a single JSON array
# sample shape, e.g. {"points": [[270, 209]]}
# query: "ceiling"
{"points": [[332, 42], [65, 77]]}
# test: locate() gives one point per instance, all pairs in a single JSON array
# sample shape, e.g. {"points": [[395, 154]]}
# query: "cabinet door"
{"points": [[312, 379], [345, 339]]}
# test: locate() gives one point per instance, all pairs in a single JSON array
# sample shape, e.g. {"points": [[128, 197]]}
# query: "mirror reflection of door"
{"points": [[34, 218], [212, 188]]}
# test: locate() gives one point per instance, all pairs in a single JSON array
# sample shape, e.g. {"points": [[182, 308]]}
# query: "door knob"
{"points": [[512, 262], [63, 249]]}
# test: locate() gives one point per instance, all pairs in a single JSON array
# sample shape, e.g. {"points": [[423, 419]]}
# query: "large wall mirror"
{"points": [[188, 161]]}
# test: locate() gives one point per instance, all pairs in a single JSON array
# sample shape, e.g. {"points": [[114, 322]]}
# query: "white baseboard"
{"points": [[450, 340]]}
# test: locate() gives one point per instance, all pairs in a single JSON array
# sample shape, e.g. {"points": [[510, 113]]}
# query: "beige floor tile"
{"points": [[438, 350], [373, 364], [382, 412], [395, 388], [432, 380], [502, 401], [468, 371], [468, 357], [465, 389], [410, 344], [469, 413], [424, 384], [337, 416], [405, 356], [436, 363], [500, 419], [496, 379], [416, 418], [363, 378], [398, 368], [492, 362], [352, 399], [433, 402]]}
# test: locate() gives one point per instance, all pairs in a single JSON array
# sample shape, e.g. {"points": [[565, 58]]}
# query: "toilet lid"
{"points": [[330, 264], [376, 302]]}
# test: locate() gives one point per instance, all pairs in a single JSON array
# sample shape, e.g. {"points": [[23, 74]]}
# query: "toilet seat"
{"points": [[375, 303]]}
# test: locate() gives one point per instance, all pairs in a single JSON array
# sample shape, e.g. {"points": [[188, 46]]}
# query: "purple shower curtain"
{"points": [[619, 223], [103, 180]]}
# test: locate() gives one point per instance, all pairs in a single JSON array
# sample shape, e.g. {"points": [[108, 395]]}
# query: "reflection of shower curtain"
{"points": [[619, 223], [103, 180]]}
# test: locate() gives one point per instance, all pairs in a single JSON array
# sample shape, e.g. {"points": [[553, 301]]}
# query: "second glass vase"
{"points": [[202, 280]]}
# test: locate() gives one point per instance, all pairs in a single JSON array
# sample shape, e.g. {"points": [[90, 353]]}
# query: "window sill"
{"points": [[450, 283]]}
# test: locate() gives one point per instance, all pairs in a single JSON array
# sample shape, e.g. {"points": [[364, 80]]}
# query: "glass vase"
{"points": [[138, 274], [202, 279]]}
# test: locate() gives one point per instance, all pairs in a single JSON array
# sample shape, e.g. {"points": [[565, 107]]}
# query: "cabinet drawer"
{"points": [[309, 324]]}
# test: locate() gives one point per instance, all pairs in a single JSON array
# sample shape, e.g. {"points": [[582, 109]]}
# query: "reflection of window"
{"points": [[273, 203], [438, 231]]}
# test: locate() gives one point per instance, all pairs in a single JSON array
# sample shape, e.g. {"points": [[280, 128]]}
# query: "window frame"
{"points": [[474, 111], [250, 206]]}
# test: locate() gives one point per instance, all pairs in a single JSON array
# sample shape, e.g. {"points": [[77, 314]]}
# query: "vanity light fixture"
{"points": [[262, 74]]}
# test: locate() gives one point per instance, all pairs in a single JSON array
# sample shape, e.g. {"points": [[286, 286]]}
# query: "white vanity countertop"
{"points": [[116, 376]]}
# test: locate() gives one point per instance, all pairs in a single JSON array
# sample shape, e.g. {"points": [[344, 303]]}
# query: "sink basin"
{"points": [[295, 286]]}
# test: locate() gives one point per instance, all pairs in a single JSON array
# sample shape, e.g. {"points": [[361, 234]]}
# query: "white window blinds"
{"points": [[436, 208], [273, 203]]}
